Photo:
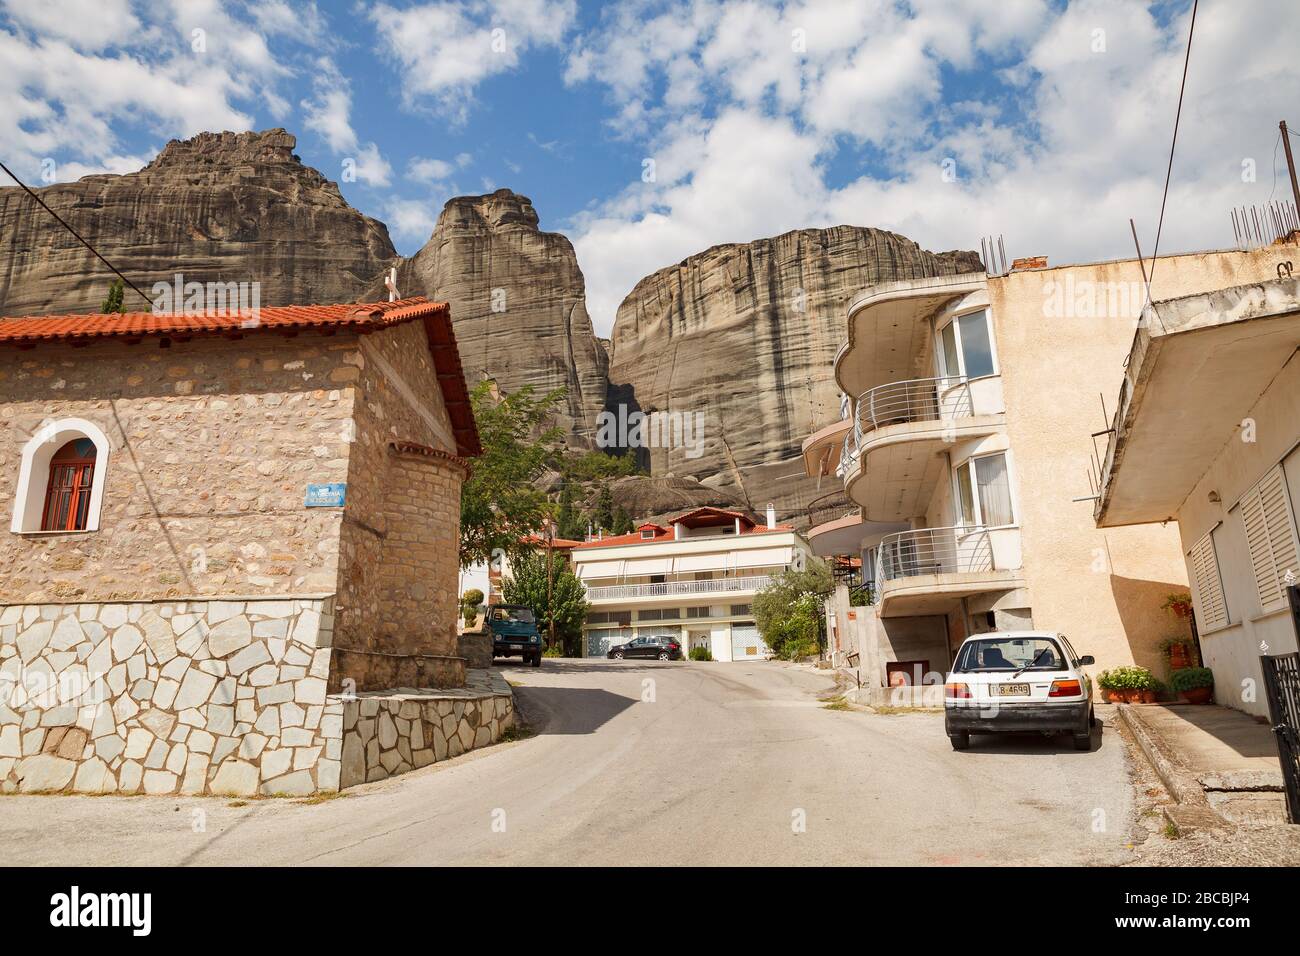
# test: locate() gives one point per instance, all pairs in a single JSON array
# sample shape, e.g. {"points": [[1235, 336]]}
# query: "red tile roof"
{"points": [[31, 331], [666, 534]]}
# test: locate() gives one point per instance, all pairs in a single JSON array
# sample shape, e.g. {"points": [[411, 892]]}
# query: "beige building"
{"points": [[219, 524], [693, 579], [966, 454], [1207, 434]]}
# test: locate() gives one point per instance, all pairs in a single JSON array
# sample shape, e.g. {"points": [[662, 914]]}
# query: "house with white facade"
{"points": [[694, 578], [966, 454], [1207, 433]]}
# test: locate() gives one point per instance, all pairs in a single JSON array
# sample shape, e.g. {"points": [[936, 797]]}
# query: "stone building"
{"points": [[229, 536]]}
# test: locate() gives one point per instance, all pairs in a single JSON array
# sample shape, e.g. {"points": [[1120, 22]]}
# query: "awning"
{"points": [[600, 569], [635, 566], [763, 557], [702, 562]]}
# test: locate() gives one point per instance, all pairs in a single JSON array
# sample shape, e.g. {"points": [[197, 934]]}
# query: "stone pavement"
{"points": [[1214, 761]]}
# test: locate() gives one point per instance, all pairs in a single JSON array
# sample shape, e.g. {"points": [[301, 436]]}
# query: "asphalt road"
{"points": [[649, 764]]}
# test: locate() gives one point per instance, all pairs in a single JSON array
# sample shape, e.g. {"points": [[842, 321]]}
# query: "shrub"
{"points": [[700, 654], [553, 652], [1127, 678], [1189, 678]]}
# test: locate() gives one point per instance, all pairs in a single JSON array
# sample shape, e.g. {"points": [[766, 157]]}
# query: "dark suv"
{"points": [[663, 648], [514, 632]]}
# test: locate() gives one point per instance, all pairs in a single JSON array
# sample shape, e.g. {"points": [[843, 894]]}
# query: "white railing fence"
{"points": [[956, 550], [752, 582]]}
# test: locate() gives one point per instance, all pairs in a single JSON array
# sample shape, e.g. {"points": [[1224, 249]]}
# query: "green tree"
{"points": [[568, 519], [116, 294], [789, 611], [622, 521], [568, 605], [499, 504], [603, 516]]}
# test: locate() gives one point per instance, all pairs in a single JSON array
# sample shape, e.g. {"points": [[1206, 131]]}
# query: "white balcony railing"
{"points": [[752, 582], [916, 400], [958, 550]]}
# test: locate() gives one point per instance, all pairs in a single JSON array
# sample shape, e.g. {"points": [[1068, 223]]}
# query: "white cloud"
{"points": [[329, 114], [410, 220], [446, 49], [424, 170], [85, 24], [749, 141]]}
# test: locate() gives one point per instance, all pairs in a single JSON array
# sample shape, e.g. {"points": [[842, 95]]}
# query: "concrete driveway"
{"points": [[648, 764]]}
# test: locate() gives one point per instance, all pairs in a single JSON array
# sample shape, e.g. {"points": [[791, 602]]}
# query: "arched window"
{"points": [[61, 478], [67, 496]]}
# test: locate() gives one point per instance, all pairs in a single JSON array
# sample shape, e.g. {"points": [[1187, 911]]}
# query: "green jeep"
{"points": [[514, 633]]}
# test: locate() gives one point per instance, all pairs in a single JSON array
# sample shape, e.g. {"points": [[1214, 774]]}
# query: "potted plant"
{"points": [[1128, 684], [1180, 602], [1196, 684], [1178, 651]]}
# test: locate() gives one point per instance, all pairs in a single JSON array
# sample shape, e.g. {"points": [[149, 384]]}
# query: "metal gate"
{"points": [[1282, 684]]}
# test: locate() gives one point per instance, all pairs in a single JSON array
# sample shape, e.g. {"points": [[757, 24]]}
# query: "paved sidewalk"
{"points": [[1213, 760]]}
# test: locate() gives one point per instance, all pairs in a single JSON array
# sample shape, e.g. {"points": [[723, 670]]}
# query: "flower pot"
{"points": [[1148, 697], [1199, 695], [1179, 657], [1114, 696], [1182, 611]]}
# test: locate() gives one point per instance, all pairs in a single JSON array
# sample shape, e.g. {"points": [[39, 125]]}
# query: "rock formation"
{"points": [[518, 301], [221, 207], [741, 339]]}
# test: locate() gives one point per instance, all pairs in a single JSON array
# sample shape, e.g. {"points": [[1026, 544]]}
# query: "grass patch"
{"points": [[324, 797], [836, 703], [891, 710], [1171, 831], [516, 732]]}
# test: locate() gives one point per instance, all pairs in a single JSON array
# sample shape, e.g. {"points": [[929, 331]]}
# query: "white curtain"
{"points": [[994, 490]]}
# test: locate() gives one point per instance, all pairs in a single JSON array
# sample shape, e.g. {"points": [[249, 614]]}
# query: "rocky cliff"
{"points": [[229, 207], [518, 301], [740, 340]]}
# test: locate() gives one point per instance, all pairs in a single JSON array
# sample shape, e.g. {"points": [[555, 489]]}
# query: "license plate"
{"points": [[516, 647], [1010, 690]]}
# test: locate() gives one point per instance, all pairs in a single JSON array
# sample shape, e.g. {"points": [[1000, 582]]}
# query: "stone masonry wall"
{"points": [[398, 550], [213, 444], [222, 697]]}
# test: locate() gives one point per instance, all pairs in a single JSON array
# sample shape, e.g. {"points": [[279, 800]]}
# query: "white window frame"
{"points": [[960, 519], [1204, 555], [34, 474], [953, 320]]}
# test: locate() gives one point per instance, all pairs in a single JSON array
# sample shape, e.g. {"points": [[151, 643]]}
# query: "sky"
{"points": [[647, 132]]}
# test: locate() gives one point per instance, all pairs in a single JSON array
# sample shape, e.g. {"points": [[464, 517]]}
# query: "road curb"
{"points": [[1193, 810]]}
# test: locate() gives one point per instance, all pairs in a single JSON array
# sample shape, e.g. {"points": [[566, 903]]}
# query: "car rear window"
{"points": [[1010, 654]]}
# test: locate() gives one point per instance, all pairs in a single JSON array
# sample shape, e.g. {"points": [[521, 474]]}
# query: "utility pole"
{"points": [[1290, 162], [550, 579]]}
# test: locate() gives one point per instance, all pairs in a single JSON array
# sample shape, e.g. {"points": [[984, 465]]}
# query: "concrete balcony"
{"points": [[822, 448], [890, 462], [747, 584], [927, 570]]}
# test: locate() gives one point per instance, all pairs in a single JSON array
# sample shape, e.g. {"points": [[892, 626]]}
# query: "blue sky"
{"points": [[1046, 122]]}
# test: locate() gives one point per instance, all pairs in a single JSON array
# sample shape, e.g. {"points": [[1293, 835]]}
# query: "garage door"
{"points": [[746, 645]]}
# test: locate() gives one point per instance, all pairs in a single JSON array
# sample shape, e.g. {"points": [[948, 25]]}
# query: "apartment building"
{"points": [[1207, 434], [966, 453], [694, 578]]}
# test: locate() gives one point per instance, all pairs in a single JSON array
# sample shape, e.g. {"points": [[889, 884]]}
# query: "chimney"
{"points": [[1029, 262], [771, 515]]}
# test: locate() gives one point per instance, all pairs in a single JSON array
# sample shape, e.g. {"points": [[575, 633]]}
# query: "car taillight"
{"points": [[957, 691], [674, 647], [1065, 688]]}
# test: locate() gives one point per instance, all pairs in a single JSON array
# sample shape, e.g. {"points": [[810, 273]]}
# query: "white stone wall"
{"points": [[162, 697], [388, 733]]}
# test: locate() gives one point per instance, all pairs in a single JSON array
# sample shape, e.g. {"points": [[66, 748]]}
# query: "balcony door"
{"points": [[966, 347]]}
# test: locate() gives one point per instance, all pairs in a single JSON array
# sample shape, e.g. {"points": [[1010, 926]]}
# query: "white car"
{"points": [[1018, 682]]}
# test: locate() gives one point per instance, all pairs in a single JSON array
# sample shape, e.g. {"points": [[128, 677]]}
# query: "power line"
{"points": [[63, 223], [1172, 145]]}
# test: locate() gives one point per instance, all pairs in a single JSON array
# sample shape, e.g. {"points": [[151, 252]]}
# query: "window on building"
{"points": [[741, 610], [966, 346], [67, 492], [647, 533], [1271, 538], [984, 492], [1203, 561], [696, 612]]}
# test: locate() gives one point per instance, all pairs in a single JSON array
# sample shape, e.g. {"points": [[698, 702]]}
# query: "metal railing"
{"points": [[918, 400], [752, 582], [956, 550]]}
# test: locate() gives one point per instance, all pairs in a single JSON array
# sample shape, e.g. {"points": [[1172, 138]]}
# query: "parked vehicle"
{"points": [[661, 648], [514, 632], [1019, 682]]}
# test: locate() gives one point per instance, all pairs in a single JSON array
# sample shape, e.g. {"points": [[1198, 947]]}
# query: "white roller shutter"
{"points": [[1204, 564], [1271, 538], [635, 566], [702, 562]]}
